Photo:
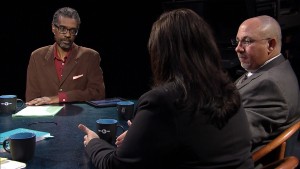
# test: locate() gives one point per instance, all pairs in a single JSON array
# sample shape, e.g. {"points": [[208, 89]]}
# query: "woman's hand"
{"points": [[121, 137], [89, 134]]}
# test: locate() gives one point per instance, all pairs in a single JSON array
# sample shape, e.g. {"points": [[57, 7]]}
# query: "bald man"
{"points": [[269, 88]]}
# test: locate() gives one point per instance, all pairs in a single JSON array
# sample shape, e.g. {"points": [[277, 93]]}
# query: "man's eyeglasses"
{"points": [[245, 42], [64, 30]]}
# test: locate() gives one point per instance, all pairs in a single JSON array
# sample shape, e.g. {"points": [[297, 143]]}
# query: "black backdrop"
{"points": [[117, 30]]}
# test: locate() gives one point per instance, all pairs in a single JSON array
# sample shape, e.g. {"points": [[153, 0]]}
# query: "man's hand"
{"points": [[43, 100]]}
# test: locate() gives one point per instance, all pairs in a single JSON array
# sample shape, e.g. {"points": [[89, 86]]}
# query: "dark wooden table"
{"points": [[65, 150]]}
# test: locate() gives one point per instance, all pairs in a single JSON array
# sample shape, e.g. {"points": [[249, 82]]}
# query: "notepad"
{"points": [[40, 135], [38, 111], [108, 102]]}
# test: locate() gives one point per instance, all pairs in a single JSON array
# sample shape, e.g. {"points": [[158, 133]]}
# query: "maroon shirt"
{"points": [[59, 66]]}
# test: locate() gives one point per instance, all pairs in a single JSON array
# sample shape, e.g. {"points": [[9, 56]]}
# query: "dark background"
{"points": [[119, 31]]}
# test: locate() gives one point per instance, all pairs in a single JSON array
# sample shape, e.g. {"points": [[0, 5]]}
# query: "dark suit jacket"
{"points": [[162, 137], [271, 100], [82, 76]]}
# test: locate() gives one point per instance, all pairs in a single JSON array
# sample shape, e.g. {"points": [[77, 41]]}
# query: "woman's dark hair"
{"points": [[183, 51]]}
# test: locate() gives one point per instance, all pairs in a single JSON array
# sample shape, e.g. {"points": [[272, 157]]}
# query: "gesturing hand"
{"points": [[121, 137], [89, 134]]}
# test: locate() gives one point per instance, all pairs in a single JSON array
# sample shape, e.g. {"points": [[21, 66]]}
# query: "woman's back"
{"points": [[175, 139]]}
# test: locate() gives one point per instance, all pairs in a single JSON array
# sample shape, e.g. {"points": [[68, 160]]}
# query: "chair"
{"points": [[276, 149], [290, 162]]}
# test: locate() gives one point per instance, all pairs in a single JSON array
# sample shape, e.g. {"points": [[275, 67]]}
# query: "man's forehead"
{"points": [[66, 21]]}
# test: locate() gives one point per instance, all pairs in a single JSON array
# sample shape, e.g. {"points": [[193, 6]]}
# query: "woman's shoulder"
{"points": [[164, 94]]}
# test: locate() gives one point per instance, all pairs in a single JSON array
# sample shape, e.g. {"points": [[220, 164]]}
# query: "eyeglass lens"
{"points": [[64, 30]]}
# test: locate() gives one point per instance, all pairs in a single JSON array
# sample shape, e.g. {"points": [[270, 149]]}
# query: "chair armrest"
{"points": [[279, 141], [290, 162]]}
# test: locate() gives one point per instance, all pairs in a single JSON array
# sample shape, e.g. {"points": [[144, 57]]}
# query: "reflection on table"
{"points": [[65, 150]]}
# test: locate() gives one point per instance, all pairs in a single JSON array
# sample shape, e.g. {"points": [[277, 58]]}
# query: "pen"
{"points": [[42, 122]]}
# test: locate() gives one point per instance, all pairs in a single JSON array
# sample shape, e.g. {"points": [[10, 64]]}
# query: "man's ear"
{"points": [[53, 28], [272, 44]]}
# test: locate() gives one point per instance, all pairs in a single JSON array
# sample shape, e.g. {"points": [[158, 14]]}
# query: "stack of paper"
{"points": [[40, 135], [38, 111]]}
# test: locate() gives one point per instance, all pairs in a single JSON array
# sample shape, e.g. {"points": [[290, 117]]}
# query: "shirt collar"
{"points": [[266, 62], [271, 60], [56, 55]]}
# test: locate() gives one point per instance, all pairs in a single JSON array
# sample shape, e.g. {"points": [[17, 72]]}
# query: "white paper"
{"points": [[11, 164], [38, 111]]}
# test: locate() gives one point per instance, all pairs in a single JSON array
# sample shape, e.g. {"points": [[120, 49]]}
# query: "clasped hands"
{"points": [[91, 135], [43, 100]]}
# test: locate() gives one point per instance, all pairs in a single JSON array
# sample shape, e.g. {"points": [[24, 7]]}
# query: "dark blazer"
{"points": [[82, 76], [162, 137], [271, 100]]}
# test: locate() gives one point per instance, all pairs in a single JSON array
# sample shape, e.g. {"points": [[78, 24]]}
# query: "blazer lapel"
{"points": [[49, 65], [248, 80], [71, 63]]}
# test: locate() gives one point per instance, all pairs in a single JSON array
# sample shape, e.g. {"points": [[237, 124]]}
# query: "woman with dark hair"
{"points": [[192, 117]]}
